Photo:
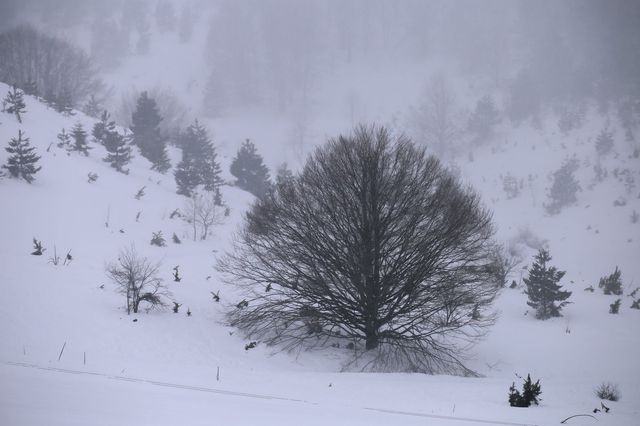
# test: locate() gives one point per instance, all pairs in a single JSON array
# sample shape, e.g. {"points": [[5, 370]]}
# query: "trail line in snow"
{"points": [[254, 395], [437, 416]]}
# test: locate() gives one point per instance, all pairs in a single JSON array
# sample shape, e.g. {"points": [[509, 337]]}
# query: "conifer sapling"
{"points": [[22, 161], [543, 288]]}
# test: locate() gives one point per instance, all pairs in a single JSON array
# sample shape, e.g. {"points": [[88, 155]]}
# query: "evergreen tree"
{"points": [[198, 165], [543, 288], [564, 188], [102, 128], [146, 133], [251, 174], [186, 178], [283, 175], [118, 151], [65, 139], [64, 103], [92, 107], [79, 140], [612, 284], [604, 142], [484, 118], [13, 103], [23, 159]]}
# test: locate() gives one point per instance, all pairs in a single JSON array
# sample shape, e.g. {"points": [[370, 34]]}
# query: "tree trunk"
{"points": [[371, 334]]}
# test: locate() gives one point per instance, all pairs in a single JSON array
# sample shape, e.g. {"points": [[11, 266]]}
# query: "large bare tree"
{"points": [[374, 242]]}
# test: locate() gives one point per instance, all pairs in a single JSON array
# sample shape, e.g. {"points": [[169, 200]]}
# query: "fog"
{"points": [[287, 55]]}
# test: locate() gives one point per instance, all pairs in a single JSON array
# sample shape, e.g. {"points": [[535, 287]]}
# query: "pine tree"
{"points": [[283, 175], [64, 103], [65, 139], [604, 142], [564, 188], [118, 151], [23, 159], [251, 174], [484, 118], [186, 179], [92, 107], [14, 103], [146, 133], [612, 284], [543, 288], [80, 140], [102, 128], [198, 165]]}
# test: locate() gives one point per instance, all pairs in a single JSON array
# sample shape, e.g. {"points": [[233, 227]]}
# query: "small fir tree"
{"points": [[186, 178], [251, 174], [484, 118], [283, 175], [79, 140], [92, 107], [612, 284], [64, 103], [543, 289], [22, 160], [564, 187], [146, 133], [530, 393], [118, 151], [604, 142], [14, 103], [102, 127], [65, 139], [614, 308], [198, 165]]}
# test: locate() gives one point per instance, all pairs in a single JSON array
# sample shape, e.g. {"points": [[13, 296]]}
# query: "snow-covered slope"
{"points": [[69, 319]]}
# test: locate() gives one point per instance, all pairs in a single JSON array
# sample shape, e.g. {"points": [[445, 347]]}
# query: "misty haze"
{"points": [[319, 212]]}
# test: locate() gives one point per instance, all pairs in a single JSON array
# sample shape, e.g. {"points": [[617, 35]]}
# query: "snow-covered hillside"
{"points": [[71, 355]]}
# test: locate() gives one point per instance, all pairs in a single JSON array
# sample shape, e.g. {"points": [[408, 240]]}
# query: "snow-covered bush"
{"points": [[157, 239], [530, 393], [564, 187], [612, 284], [608, 391], [614, 308]]}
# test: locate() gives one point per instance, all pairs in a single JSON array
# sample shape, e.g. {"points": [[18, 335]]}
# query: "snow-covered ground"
{"points": [[162, 368]]}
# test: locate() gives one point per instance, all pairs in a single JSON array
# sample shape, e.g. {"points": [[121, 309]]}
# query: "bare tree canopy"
{"points": [[46, 66], [137, 278], [374, 242]]}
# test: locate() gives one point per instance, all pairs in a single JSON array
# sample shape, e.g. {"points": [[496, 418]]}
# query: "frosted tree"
{"points": [[13, 103], [118, 151], [251, 173], [146, 133], [564, 189], [102, 128], [434, 120], [484, 118], [79, 140], [199, 164], [545, 294], [23, 159], [604, 142], [65, 139]]}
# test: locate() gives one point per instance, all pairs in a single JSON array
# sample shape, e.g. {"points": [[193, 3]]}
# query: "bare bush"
{"points": [[608, 391], [375, 243], [202, 211], [137, 278]]}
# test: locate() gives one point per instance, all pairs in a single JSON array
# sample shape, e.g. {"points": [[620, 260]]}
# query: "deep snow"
{"points": [[45, 307]]}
